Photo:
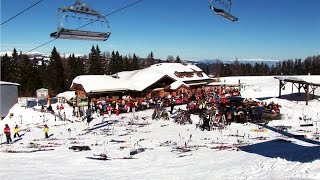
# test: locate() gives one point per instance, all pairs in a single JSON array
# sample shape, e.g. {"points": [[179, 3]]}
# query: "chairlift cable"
{"points": [[42, 45], [21, 12], [110, 14], [120, 9]]}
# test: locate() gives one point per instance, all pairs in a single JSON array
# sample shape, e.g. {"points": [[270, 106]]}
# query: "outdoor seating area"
{"points": [[225, 105]]}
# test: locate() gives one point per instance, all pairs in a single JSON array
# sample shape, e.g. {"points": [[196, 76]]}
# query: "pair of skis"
{"points": [[104, 157]]}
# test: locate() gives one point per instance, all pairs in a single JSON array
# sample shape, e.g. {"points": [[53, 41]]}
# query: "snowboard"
{"points": [[100, 158], [136, 151]]}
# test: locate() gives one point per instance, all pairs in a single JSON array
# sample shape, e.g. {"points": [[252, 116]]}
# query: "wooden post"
{"points": [[299, 87], [280, 86], [313, 89], [292, 91], [307, 95]]}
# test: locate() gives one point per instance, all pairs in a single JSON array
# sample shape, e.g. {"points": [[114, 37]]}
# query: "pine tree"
{"points": [[71, 69], [207, 71], [9, 67], [75, 68], [112, 63], [217, 68], [29, 78], [307, 66], [149, 60], [100, 69], [316, 68], [135, 62], [170, 58], [42, 69], [104, 61], [118, 62], [126, 64], [236, 68], [129, 63], [56, 74], [36, 77], [79, 66], [5, 66], [94, 62], [178, 60]]}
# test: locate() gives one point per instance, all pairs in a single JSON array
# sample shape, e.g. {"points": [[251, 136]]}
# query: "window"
{"points": [[199, 74], [189, 74], [179, 74]]}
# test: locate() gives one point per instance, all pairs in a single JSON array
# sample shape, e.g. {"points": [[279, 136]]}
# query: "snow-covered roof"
{"points": [[161, 69], [100, 83], [177, 84], [137, 80], [67, 95], [8, 83], [170, 69], [139, 84], [310, 79]]}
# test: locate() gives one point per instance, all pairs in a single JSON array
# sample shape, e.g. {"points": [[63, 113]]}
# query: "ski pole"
{"points": [[221, 136]]}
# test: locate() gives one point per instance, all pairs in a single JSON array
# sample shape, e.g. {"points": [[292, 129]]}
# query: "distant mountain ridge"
{"points": [[243, 61]]}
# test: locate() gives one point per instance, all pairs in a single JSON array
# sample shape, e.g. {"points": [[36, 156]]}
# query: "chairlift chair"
{"points": [[223, 12], [81, 11]]}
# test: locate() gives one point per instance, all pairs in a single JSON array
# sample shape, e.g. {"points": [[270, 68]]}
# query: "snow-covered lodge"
{"points": [[157, 80]]}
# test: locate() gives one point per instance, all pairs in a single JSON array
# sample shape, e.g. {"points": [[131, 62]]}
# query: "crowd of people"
{"points": [[226, 104], [211, 103], [220, 101], [126, 104]]}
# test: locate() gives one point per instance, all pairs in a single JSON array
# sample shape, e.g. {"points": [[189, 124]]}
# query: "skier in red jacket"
{"points": [[7, 133]]}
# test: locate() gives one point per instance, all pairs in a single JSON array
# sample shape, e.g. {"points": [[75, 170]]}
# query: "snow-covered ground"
{"points": [[280, 156]]}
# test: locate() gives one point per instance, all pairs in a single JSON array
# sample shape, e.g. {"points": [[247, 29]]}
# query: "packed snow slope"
{"points": [[291, 154]]}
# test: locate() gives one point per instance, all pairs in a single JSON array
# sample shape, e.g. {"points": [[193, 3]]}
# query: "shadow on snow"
{"points": [[285, 150]]}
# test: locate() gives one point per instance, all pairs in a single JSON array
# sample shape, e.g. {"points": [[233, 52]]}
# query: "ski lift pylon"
{"points": [[222, 12], [81, 9]]}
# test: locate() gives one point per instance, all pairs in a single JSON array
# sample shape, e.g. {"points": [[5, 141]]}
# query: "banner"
{"points": [[82, 101], [42, 94]]}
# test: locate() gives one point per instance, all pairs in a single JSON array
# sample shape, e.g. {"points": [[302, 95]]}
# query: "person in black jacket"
{"points": [[88, 114], [205, 124], [172, 104]]}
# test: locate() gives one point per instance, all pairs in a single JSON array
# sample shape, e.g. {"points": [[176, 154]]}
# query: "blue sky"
{"points": [[269, 29]]}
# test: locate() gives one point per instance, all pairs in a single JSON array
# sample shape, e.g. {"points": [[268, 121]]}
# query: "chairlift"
{"points": [[81, 12], [224, 11]]}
